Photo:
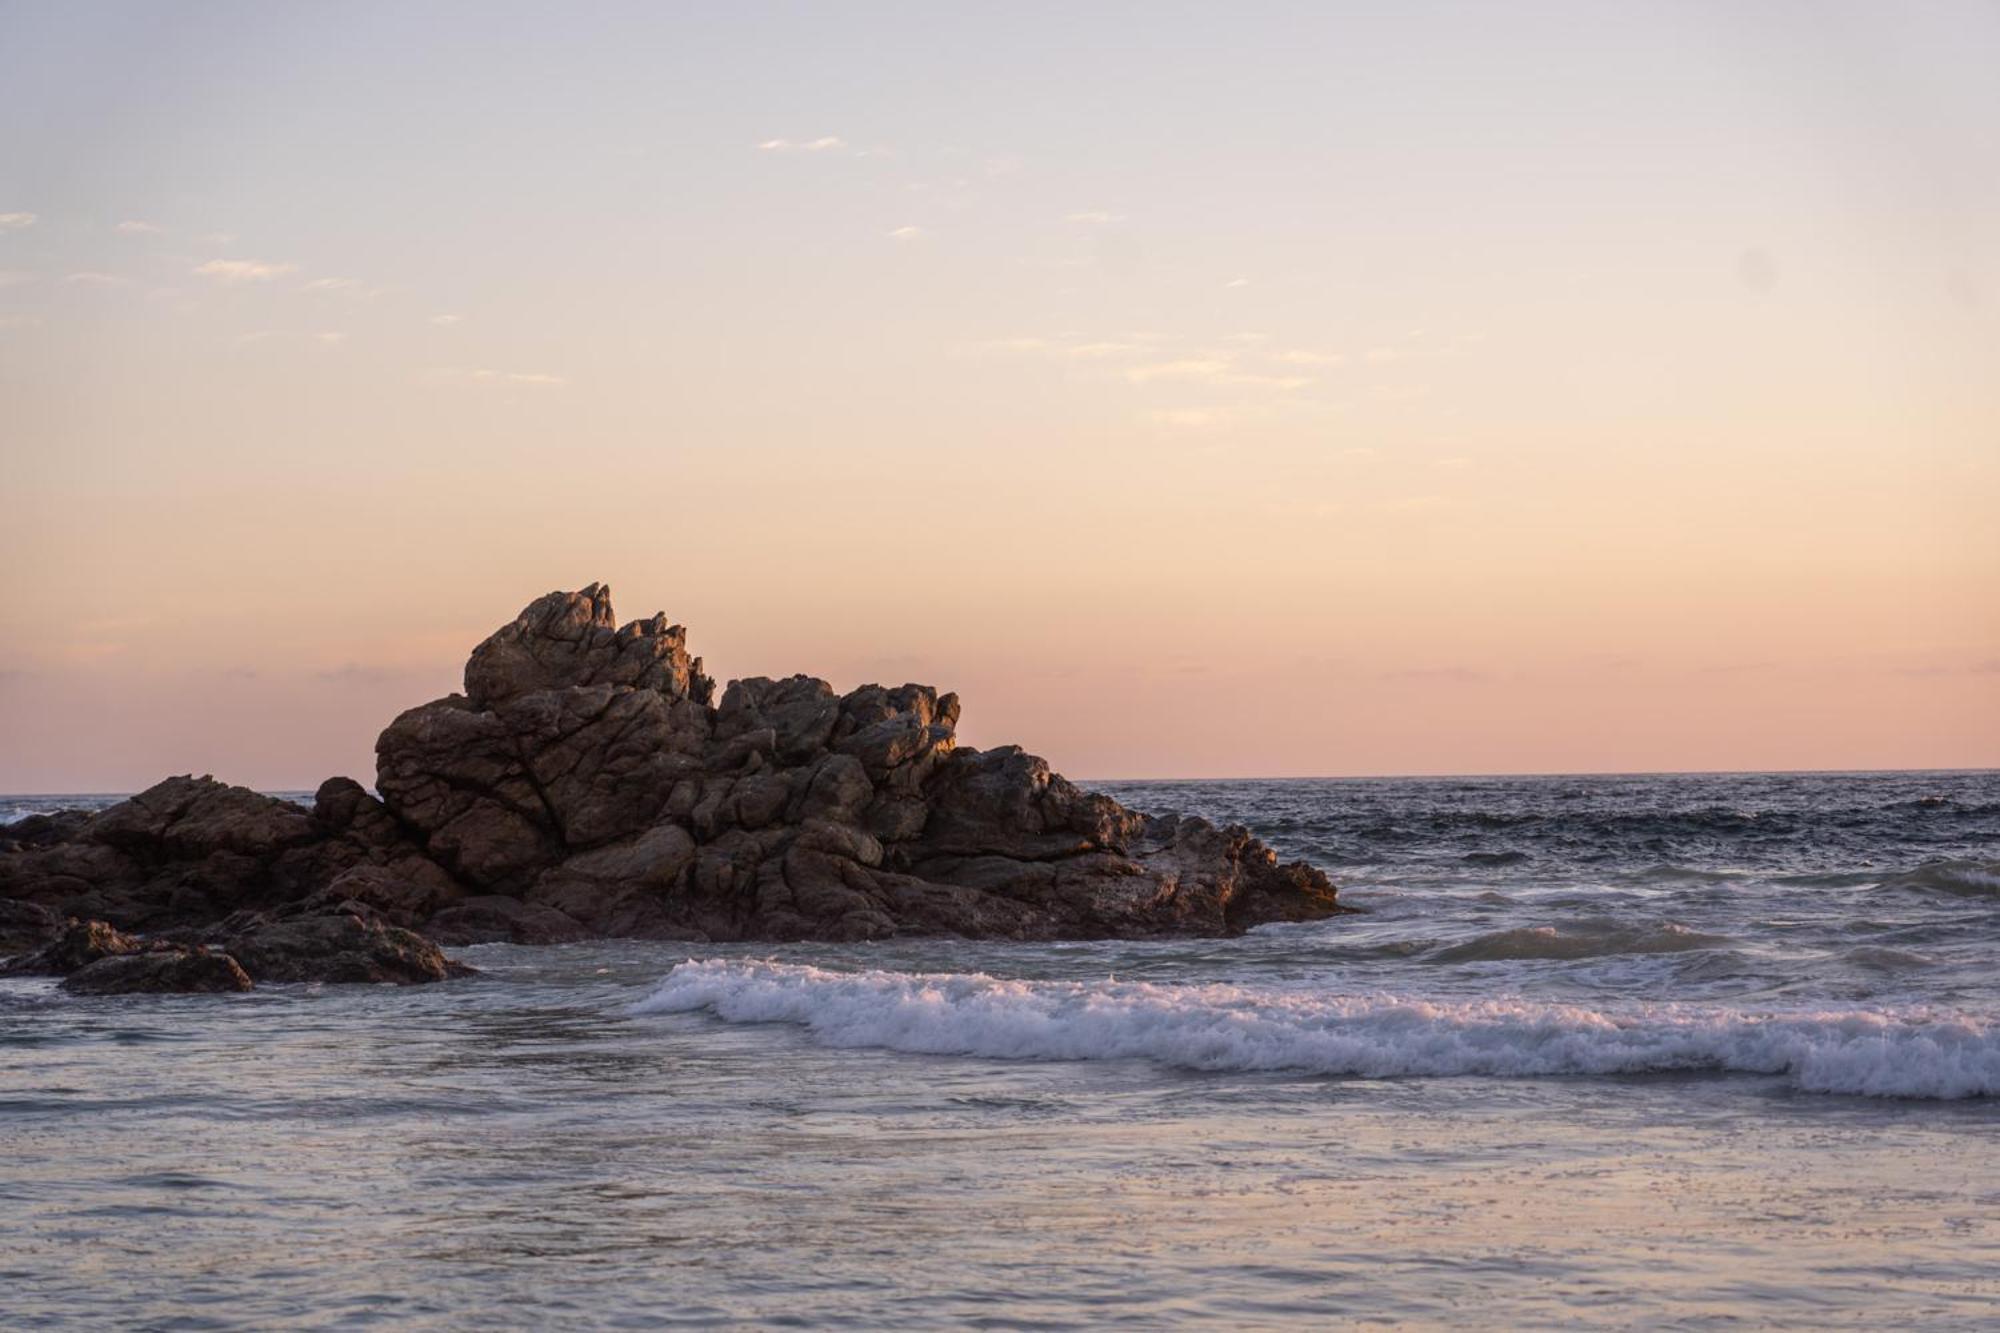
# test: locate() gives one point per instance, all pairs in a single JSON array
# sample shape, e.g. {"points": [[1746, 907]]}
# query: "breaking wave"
{"points": [[1965, 879], [1589, 938], [1917, 1053]]}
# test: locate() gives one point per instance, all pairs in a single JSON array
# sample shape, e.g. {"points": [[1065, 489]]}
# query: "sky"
{"points": [[1229, 390]]}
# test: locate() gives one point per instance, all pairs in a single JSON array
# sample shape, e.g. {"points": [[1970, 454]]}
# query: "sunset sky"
{"points": [[1386, 389]]}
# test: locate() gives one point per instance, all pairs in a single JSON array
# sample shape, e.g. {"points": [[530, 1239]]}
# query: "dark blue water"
{"points": [[1686, 1050]]}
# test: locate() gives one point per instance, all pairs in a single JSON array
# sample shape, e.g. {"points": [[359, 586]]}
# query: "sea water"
{"points": [[1602, 1050]]}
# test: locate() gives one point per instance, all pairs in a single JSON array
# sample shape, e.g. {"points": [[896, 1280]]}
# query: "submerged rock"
{"points": [[588, 783]]}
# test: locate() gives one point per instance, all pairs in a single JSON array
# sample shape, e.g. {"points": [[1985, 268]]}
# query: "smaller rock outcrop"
{"points": [[78, 944], [158, 972], [333, 947], [95, 959]]}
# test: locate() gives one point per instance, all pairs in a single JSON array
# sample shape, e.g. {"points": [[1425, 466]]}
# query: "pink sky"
{"points": [[1335, 394]]}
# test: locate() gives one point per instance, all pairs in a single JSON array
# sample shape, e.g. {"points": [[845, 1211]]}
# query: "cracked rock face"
{"points": [[587, 783]]}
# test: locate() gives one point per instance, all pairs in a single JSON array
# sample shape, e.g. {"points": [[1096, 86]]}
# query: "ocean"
{"points": [[1681, 1050]]}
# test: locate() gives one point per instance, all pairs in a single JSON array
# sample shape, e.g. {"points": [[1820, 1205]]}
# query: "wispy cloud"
{"points": [[1063, 345], [1094, 218], [91, 278], [908, 234], [330, 285], [1185, 419], [1237, 282], [446, 321], [1213, 370], [1186, 368], [364, 673], [329, 338], [16, 221], [243, 270], [133, 227], [533, 379], [15, 278], [826, 143], [1305, 356]]}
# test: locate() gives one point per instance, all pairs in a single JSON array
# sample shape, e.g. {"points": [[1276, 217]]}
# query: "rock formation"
{"points": [[587, 783]]}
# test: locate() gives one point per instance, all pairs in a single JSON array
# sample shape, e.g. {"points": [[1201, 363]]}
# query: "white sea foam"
{"points": [[1880, 1053]]}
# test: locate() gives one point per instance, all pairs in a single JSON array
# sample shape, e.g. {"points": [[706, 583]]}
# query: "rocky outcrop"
{"points": [[344, 946], [305, 944], [588, 783], [158, 972], [95, 959]]}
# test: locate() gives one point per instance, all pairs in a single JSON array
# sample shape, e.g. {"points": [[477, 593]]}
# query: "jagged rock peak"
{"points": [[573, 638]]}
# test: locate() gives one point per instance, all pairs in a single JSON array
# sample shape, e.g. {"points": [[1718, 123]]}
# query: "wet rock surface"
{"points": [[587, 783]]}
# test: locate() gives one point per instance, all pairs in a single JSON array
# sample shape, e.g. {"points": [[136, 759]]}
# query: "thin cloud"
{"points": [[446, 321], [15, 278], [329, 285], [1212, 370], [243, 270], [16, 221], [363, 673], [533, 379], [94, 279], [1237, 282], [133, 227], [908, 234], [1187, 368], [1185, 419], [827, 143], [1094, 219], [1305, 356], [329, 338]]}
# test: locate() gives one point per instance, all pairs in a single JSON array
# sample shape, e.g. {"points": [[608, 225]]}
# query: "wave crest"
{"points": [[1964, 879], [1583, 939], [1910, 1053]]}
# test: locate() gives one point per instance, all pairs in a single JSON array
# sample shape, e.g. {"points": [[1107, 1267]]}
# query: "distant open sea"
{"points": [[1691, 1050]]}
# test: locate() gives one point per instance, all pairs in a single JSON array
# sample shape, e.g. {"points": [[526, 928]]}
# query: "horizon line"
{"points": [[1311, 777]]}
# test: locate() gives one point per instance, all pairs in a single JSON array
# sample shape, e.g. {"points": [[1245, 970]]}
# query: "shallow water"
{"points": [[1608, 1051]]}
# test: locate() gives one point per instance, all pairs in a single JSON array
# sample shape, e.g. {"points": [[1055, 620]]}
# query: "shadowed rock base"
{"points": [[587, 783]]}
